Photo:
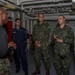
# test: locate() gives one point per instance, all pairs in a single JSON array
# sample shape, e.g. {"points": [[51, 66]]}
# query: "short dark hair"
{"points": [[17, 19], [62, 16], [40, 13]]}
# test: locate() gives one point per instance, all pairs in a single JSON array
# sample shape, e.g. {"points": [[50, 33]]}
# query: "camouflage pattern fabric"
{"points": [[41, 33], [4, 66], [62, 50], [42, 52], [52, 43], [74, 46]]}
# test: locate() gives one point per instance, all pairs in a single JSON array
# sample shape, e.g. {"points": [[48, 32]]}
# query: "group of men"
{"points": [[16, 46], [62, 39]]}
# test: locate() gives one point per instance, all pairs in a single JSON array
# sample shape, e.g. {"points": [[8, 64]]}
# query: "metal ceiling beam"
{"points": [[33, 2], [21, 9], [42, 1], [3, 1], [56, 14], [51, 5], [52, 9], [28, 13], [68, 17], [11, 1]]}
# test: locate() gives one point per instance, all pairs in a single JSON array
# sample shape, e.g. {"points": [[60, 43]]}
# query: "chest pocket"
{"points": [[62, 33], [65, 33], [14, 35], [44, 29]]}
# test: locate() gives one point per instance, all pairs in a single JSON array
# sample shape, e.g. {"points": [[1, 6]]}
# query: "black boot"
{"points": [[26, 71], [47, 72], [37, 71], [17, 70], [58, 73]]}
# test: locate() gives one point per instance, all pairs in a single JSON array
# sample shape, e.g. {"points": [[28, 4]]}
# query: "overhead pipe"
{"points": [[19, 8], [54, 17], [51, 5], [33, 2], [37, 2], [3, 1], [11, 1], [27, 12], [43, 6]]}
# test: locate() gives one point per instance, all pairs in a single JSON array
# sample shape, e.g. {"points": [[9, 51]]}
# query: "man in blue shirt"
{"points": [[20, 36]]}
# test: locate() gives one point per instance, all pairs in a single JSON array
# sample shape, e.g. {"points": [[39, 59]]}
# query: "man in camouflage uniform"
{"points": [[63, 36], [4, 67], [41, 37], [74, 44], [52, 43], [4, 45]]}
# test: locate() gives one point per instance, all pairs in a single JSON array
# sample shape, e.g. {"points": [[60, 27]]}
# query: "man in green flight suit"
{"points": [[63, 36], [74, 45], [74, 51], [41, 33]]}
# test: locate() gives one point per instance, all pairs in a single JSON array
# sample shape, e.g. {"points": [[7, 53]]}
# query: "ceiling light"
{"points": [[8, 6]]}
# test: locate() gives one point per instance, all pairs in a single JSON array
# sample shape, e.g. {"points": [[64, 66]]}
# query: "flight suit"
{"points": [[52, 43], [41, 34], [74, 45], [62, 50], [74, 52]]}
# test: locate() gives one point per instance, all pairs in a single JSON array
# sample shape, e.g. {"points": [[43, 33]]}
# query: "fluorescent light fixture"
{"points": [[9, 6]]}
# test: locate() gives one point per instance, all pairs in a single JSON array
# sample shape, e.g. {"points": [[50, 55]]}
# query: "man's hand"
{"points": [[59, 41], [37, 43], [12, 44], [55, 37]]}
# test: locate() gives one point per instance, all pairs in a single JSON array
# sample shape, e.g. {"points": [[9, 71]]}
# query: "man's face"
{"points": [[61, 20], [18, 23], [5, 17], [40, 17]]}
